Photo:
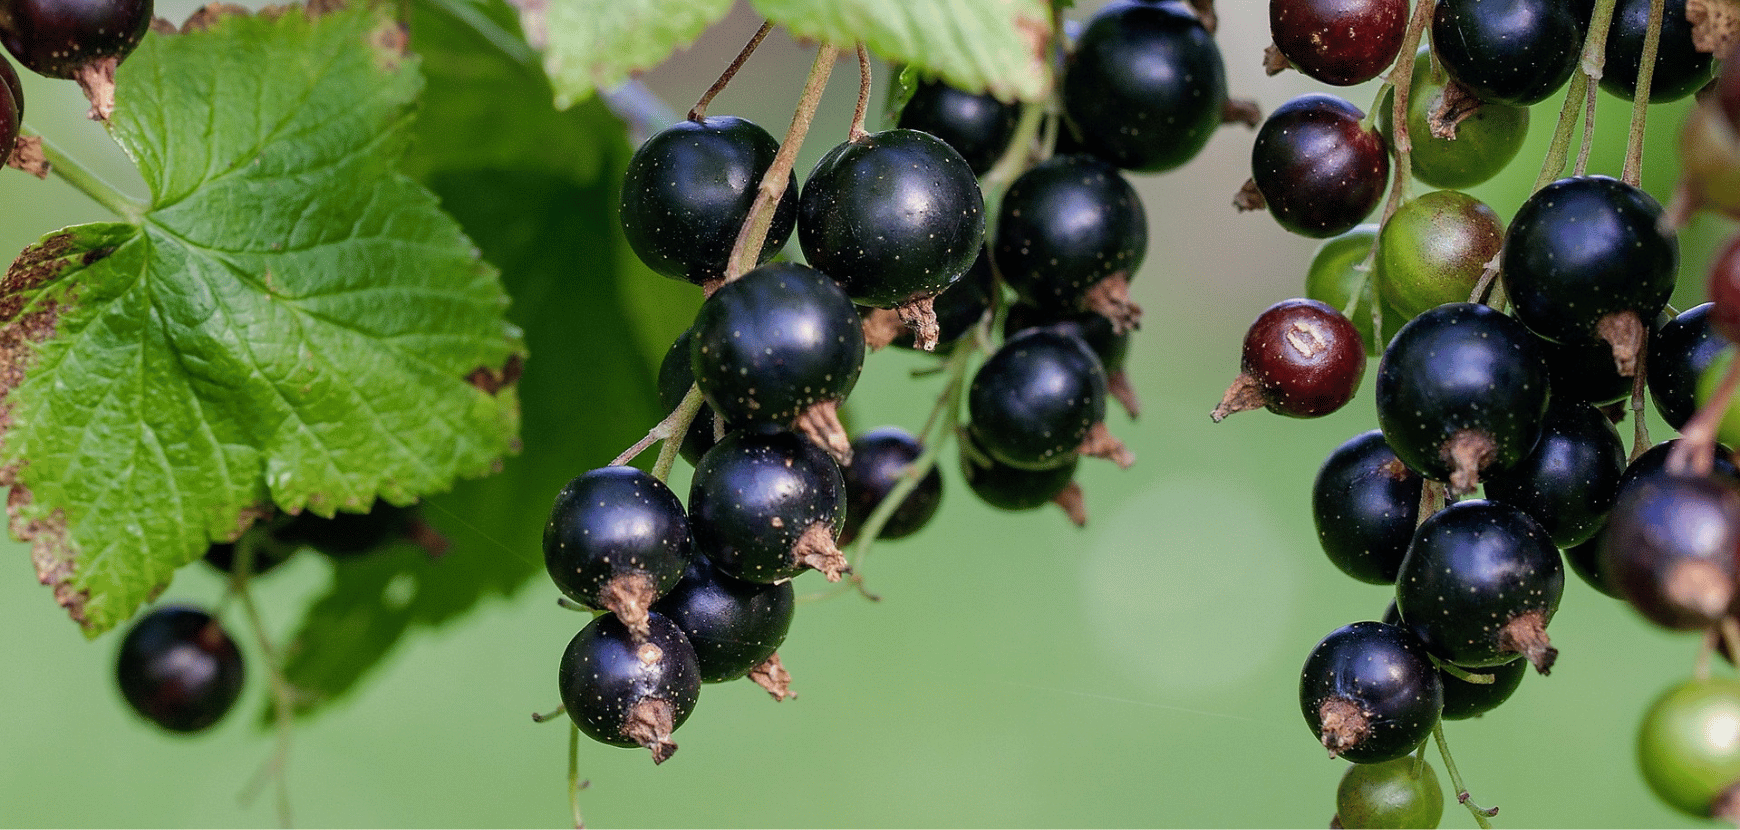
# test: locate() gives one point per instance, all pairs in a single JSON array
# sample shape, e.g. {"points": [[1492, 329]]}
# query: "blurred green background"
{"points": [[1018, 671]]}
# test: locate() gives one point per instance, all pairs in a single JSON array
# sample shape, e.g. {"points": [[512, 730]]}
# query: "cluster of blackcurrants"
{"points": [[1522, 404], [179, 667], [82, 40], [892, 226]]}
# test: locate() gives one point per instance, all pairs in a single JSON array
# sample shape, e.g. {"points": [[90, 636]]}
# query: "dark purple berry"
{"points": [[1670, 548], [733, 625], [1366, 502], [1036, 400], [57, 38], [628, 690], [1301, 359], [1320, 167], [1679, 352], [977, 125], [880, 459], [1339, 42], [617, 540], [179, 669], [1069, 228], [1569, 482], [765, 507], [1370, 693], [1514, 52]]}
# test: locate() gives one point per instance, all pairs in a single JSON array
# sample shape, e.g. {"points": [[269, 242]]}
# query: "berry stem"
{"points": [[773, 182], [546, 717], [1639, 424], [1579, 96], [1480, 815], [699, 111], [1014, 161], [1463, 674], [1402, 80], [677, 425], [84, 181], [1632, 173], [283, 694], [575, 785], [861, 112]]}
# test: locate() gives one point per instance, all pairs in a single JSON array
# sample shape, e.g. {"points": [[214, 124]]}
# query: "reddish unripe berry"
{"points": [[1301, 358]]}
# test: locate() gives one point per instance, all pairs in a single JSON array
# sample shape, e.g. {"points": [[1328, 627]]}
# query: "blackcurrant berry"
{"points": [[1687, 750], [57, 38], [1013, 488], [1468, 144], [1464, 699], [1319, 166], [1370, 693], [1145, 86], [1434, 249], [11, 109], [1679, 352], [627, 690], [179, 669], [1040, 399], [1070, 235], [1724, 291], [1680, 69], [1301, 358], [1366, 502], [1585, 561], [1584, 370], [977, 125], [880, 459], [1401, 793], [1569, 482], [767, 506], [1109, 344], [734, 626], [1514, 52], [1479, 585], [1461, 389], [617, 540], [1339, 42], [1586, 259], [1670, 545], [894, 217], [688, 189], [774, 344]]}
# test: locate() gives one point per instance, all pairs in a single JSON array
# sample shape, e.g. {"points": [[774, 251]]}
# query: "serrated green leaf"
{"points": [[998, 46], [547, 220], [593, 45], [290, 321]]}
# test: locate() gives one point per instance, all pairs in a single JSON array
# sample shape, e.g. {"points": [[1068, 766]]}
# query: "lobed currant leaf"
{"points": [[288, 320], [593, 45]]}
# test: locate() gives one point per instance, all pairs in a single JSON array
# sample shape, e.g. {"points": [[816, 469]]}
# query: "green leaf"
{"points": [[547, 219], [291, 321], [977, 45], [593, 45]]}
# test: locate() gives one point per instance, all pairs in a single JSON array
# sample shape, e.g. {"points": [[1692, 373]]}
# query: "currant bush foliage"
{"points": [[286, 320], [999, 45]]}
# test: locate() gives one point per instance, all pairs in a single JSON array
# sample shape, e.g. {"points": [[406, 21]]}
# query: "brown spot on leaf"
{"points": [[391, 40], [160, 26], [492, 381], [1715, 25]]}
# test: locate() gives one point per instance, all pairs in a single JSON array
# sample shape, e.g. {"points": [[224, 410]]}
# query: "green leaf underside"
{"points": [[546, 218], [293, 322], [998, 46], [977, 45], [593, 45]]}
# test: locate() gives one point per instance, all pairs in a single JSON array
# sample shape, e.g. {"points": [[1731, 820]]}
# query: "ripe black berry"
{"points": [[1145, 86], [1319, 166], [616, 540], [1339, 42], [1301, 358], [11, 109], [1013, 488], [1680, 69], [1370, 692], [1461, 389], [57, 37], [977, 125], [1586, 259], [775, 343], [1479, 585], [1110, 344], [1070, 230], [767, 506], [1679, 352], [627, 690], [1038, 399], [1670, 547], [894, 217], [1508, 51], [675, 378], [688, 189], [1569, 482], [1366, 502], [178, 668], [880, 459], [733, 625]]}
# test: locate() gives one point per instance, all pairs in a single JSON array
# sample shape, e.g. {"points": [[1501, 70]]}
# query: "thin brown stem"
{"points": [[754, 233], [857, 132], [1402, 78], [699, 111], [283, 694], [1632, 173], [1588, 142]]}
